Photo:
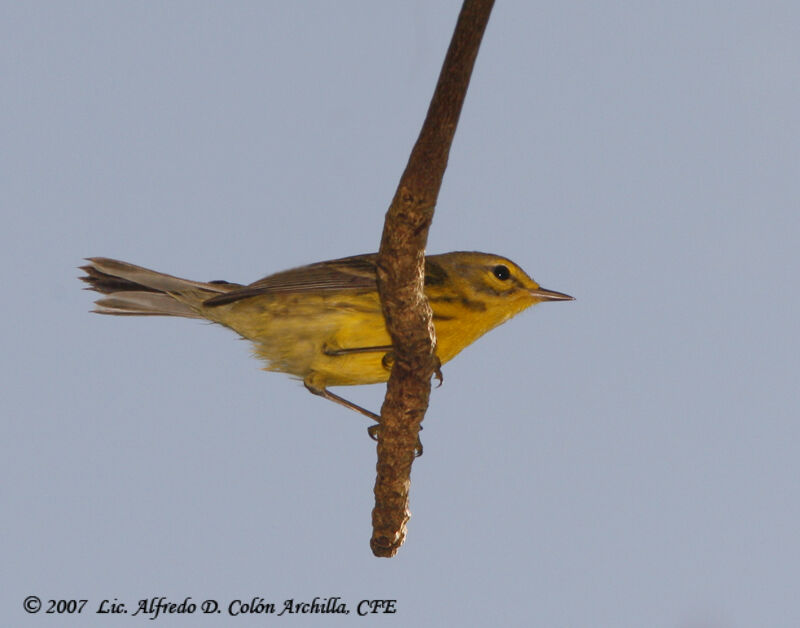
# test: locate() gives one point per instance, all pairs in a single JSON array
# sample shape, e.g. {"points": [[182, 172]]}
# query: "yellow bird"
{"points": [[323, 322]]}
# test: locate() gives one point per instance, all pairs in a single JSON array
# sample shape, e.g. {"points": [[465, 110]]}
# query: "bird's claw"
{"points": [[437, 371]]}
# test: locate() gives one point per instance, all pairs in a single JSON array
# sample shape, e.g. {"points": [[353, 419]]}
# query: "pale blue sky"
{"points": [[629, 459]]}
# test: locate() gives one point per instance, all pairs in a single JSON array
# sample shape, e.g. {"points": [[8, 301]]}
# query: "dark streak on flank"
{"points": [[435, 275], [476, 306]]}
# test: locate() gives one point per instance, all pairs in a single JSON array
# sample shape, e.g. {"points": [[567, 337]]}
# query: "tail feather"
{"points": [[136, 291], [143, 304]]}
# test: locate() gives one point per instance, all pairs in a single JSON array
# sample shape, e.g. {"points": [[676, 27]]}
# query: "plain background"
{"points": [[628, 459]]}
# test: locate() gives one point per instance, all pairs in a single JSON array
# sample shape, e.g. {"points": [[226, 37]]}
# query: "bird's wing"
{"points": [[347, 273]]}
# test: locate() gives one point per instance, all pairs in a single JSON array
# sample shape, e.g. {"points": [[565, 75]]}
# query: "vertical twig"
{"points": [[400, 283]]}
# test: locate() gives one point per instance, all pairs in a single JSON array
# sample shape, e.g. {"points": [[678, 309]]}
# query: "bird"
{"points": [[323, 323]]}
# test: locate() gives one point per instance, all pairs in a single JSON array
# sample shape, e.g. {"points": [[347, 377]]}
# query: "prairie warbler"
{"points": [[323, 322]]}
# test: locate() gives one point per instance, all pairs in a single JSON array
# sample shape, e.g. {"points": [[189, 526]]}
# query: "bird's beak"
{"points": [[550, 295]]}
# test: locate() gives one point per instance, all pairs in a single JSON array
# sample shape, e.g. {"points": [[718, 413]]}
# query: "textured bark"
{"points": [[400, 283]]}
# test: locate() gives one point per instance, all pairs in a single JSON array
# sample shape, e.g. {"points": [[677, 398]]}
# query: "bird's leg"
{"points": [[388, 362], [333, 352], [327, 394], [388, 358], [372, 430]]}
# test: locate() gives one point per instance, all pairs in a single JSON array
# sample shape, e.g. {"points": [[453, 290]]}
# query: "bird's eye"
{"points": [[501, 272]]}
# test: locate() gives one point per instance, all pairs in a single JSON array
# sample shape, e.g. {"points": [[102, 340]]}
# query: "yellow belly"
{"points": [[301, 333]]}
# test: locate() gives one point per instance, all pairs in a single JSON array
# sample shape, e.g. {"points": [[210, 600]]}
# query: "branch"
{"points": [[401, 274]]}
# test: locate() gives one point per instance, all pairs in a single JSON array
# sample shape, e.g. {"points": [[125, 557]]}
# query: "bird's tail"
{"points": [[136, 291]]}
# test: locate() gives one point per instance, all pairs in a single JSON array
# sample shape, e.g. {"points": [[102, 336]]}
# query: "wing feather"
{"points": [[348, 273]]}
